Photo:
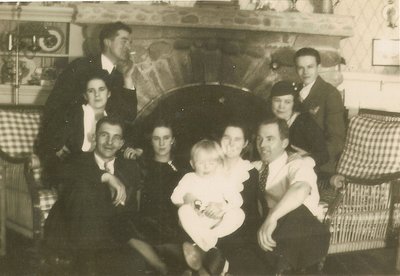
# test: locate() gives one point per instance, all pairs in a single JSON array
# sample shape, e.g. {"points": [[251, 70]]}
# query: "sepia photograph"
{"points": [[200, 137]]}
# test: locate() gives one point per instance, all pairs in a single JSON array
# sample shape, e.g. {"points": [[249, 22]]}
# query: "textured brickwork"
{"points": [[177, 47], [216, 18]]}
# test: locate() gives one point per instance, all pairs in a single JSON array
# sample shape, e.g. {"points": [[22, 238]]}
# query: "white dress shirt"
{"points": [[89, 127], [305, 91], [101, 163], [106, 64], [283, 174]]}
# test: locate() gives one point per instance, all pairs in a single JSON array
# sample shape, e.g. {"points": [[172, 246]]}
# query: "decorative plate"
{"points": [[53, 42]]}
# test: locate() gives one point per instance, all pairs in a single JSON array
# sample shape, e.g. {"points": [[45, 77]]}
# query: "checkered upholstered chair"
{"points": [[363, 209], [27, 203], [369, 168]]}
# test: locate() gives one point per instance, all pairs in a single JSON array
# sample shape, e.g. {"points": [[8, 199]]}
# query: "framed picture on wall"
{"points": [[386, 52]]}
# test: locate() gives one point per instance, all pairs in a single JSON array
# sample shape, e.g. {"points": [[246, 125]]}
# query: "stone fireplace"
{"points": [[216, 52]]}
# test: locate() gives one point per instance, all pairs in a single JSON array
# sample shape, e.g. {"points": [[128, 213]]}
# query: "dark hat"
{"points": [[284, 88]]}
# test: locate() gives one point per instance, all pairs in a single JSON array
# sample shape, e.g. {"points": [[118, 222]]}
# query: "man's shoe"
{"points": [[193, 255]]}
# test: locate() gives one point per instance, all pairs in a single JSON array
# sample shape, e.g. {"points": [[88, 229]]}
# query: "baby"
{"points": [[209, 204]]}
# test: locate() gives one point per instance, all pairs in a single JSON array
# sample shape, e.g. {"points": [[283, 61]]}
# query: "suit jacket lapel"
{"points": [[314, 94], [118, 170], [96, 62]]}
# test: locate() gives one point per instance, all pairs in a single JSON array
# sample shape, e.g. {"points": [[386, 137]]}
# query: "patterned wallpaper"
{"points": [[369, 24]]}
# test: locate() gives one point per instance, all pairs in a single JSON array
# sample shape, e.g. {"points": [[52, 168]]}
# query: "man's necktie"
{"points": [[263, 177], [107, 167]]}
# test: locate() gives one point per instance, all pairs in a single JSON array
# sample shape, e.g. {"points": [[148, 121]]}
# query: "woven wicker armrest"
{"points": [[33, 172], [333, 205], [42, 198], [333, 196]]}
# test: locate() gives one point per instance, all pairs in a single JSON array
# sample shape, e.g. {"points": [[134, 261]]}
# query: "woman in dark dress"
{"points": [[161, 175], [305, 135], [241, 247], [155, 230]]}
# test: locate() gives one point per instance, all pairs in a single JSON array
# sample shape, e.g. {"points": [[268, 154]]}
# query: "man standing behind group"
{"points": [[323, 102], [289, 189], [115, 48], [67, 91]]}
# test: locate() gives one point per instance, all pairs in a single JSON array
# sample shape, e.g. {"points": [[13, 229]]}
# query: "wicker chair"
{"points": [[369, 167], [26, 201]]}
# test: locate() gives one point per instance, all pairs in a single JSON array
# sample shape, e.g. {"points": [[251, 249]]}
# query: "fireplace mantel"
{"points": [[216, 18], [175, 47]]}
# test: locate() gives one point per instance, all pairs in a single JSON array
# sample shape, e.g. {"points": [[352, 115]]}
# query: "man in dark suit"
{"points": [[323, 101], [98, 191], [115, 46], [70, 85]]}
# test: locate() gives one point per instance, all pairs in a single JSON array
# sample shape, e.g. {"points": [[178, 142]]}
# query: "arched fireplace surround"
{"points": [[205, 60], [200, 111]]}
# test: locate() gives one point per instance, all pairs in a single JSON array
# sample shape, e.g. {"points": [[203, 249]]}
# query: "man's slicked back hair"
{"points": [[307, 52], [109, 31], [281, 123]]}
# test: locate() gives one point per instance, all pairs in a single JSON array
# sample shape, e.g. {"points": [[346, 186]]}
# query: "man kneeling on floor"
{"points": [[291, 234]]}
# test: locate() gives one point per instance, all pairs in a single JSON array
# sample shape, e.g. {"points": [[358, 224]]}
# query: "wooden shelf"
{"points": [[28, 94], [37, 13], [39, 54]]}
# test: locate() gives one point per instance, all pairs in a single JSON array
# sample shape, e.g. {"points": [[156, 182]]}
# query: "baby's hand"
{"points": [[215, 210]]}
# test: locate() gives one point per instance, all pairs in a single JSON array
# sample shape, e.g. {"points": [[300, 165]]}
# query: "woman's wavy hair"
{"points": [[247, 134], [94, 75], [159, 122]]}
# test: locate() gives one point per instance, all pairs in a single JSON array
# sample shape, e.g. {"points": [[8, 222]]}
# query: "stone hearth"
{"points": [[179, 47]]}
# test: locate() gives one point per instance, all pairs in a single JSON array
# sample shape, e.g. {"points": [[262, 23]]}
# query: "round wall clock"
{"points": [[53, 42]]}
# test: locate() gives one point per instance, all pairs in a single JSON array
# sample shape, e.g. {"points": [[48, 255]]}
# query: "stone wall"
{"points": [[180, 52]]}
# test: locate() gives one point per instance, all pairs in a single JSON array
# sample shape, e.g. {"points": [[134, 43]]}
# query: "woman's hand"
{"points": [[131, 153], [63, 152], [215, 210], [300, 151]]}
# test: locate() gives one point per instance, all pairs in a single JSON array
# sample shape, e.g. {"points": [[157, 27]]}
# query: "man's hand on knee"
{"points": [[117, 189], [265, 239]]}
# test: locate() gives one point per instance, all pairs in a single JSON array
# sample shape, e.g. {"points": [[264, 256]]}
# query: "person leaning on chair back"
{"points": [[290, 230], [323, 102]]}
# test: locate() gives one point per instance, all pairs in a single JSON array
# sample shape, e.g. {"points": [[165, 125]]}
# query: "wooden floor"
{"points": [[369, 262]]}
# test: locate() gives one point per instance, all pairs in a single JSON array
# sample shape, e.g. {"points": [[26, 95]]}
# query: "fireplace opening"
{"points": [[199, 112]]}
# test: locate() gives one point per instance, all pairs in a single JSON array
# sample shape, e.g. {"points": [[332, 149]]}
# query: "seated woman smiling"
{"points": [[76, 135], [305, 136]]}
